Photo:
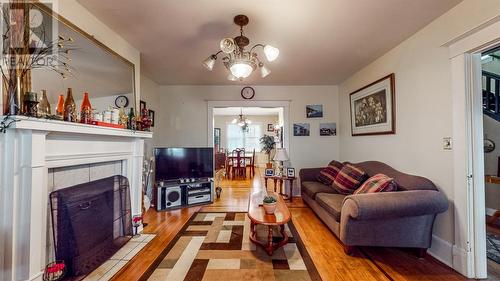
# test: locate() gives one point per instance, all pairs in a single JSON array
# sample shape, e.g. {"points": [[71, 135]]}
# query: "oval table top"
{"points": [[257, 214]]}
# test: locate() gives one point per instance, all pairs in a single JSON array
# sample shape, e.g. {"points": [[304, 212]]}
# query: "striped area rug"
{"points": [[216, 246]]}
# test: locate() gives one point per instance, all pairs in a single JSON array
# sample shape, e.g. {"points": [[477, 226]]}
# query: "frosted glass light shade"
{"points": [[241, 70], [271, 52], [264, 71], [210, 62]]}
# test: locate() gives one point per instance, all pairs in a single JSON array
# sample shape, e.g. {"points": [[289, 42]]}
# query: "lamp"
{"points": [[241, 62], [280, 156]]}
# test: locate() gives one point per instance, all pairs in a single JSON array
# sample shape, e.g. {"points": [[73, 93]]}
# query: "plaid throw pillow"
{"points": [[377, 183], [349, 179], [328, 174]]}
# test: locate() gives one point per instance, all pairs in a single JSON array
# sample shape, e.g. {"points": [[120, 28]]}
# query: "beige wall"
{"points": [[423, 103], [184, 117], [150, 94], [222, 121]]}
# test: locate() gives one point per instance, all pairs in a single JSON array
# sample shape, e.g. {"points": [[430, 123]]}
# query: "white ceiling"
{"points": [[251, 111], [321, 41]]}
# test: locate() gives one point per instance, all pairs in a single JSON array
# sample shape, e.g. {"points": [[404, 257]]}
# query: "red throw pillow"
{"points": [[349, 179], [377, 183], [328, 174]]}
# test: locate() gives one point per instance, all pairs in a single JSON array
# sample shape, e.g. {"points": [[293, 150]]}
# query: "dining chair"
{"points": [[238, 167], [251, 165]]}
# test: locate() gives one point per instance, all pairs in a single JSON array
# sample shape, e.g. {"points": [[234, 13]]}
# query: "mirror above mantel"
{"points": [[95, 69]]}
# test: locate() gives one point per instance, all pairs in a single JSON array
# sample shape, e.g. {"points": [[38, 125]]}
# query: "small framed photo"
{"points": [[142, 105], [269, 172], [270, 127], [327, 129], [290, 172], [314, 111], [152, 116]]}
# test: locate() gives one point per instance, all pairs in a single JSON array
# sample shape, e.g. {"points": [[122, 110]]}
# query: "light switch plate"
{"points": [[447, 143]]}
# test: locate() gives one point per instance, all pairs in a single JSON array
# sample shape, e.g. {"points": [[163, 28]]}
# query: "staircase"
{"points": [[491, 95]]}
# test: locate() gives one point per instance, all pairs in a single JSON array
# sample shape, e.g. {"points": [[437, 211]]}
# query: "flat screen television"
{"points": [[174, 163]]}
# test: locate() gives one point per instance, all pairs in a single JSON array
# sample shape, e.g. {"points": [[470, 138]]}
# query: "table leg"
{"points": [[265, 183], [269, 248], [285, 236], [275, 183]]}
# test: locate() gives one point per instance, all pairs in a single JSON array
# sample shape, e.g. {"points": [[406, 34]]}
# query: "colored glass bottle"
{"points": [[60, 107], [69, 107], [131, 120], [44, 105], [86, 110]]}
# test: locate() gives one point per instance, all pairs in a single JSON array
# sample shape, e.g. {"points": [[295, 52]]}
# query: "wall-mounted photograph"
{"points": [[373, 108], [142, 105], [327, 129], [314, 111], [270, 127], [301, 129]]}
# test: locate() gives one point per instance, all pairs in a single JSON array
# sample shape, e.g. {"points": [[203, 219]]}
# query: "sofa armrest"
{"points": [[386, 205], [309, 174]]}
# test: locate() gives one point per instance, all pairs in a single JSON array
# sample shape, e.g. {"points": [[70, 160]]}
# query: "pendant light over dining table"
{"points": [[239, 62]]}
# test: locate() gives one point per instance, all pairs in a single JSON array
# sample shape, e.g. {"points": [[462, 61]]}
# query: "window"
{"points": [[236, 138]]}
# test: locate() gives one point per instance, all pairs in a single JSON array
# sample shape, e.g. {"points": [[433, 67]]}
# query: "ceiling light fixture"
{"points": [[242, 121], [238, 62]]}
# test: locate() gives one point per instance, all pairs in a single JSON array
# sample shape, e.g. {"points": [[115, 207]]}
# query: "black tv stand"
{"points": [[179, 194]]}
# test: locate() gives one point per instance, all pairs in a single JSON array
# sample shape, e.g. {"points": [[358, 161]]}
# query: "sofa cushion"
{"points": [[331, 202], [377, 183], [328, 174], [311, 188], [349, 179]]}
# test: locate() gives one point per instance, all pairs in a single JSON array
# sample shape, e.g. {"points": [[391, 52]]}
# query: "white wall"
{"points": [[261, 120], [183, 117], [423, 103]]}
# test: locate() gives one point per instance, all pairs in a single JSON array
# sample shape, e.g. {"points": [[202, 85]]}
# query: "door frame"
{"points": [[253, 103], [469, 249]]}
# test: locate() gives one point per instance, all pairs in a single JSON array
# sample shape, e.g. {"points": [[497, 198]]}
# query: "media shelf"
{"points": [[174, 194]]}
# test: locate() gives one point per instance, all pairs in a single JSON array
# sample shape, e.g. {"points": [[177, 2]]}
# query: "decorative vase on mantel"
{"points": [[86, 110], [44, 105], [60, 107], [69, 107]]}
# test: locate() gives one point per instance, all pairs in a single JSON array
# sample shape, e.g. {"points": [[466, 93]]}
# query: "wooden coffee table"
{"points": [[257, 216]]}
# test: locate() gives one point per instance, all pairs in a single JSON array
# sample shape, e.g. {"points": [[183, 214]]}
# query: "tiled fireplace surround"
{"points": [[38, 156]]}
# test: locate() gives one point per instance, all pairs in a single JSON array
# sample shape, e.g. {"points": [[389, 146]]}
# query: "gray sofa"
{"points": [[403, 218]]}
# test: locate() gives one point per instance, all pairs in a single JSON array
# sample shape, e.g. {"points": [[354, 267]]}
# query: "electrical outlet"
{"points": [[447, 143]]}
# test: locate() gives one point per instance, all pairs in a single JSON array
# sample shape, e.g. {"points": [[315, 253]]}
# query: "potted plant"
{"points": [[267, 143], [269, 204]]}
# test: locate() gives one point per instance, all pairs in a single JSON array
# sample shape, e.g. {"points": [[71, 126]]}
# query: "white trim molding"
{"points": [[27, 150], [469, 249]]}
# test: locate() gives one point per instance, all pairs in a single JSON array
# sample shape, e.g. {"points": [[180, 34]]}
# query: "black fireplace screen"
{"points": [[90, 221]]}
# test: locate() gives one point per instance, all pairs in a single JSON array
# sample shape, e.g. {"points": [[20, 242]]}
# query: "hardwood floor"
{"points": [[324, 248]]}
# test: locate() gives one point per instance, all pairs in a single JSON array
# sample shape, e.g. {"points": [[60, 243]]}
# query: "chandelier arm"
{"points": [[255, 46], [216, 54]]}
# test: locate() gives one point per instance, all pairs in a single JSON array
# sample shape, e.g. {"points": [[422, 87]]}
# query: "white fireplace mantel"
{"points": [[28, 149]]}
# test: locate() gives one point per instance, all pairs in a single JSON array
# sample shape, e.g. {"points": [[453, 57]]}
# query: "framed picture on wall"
{"points": [[314, 111], [327, 129], [217, 139], [270, 127], [290, 172], [301, 129], [142, 105], [373, 108], [152, 116]]}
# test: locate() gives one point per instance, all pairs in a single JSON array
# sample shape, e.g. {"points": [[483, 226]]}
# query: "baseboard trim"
{"points": [[451, 255], [441, 250]]}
